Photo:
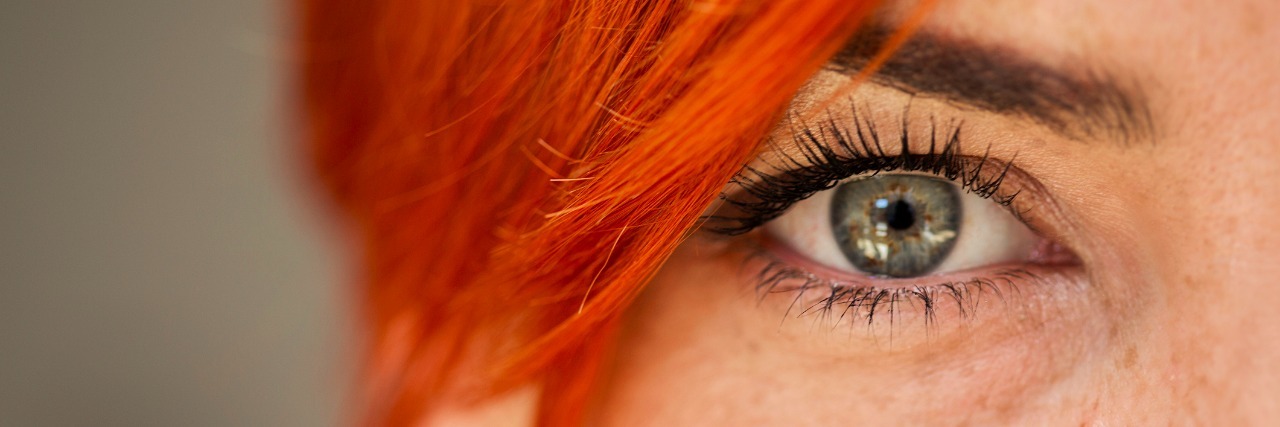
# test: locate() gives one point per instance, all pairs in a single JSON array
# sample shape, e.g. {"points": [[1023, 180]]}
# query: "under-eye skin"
{"points": [[852, 231]]}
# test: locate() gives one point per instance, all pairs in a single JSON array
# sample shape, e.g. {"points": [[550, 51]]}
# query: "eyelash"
{"points": [[868, 301], [831, 153]]}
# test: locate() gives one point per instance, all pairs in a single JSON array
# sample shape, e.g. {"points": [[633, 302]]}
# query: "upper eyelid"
{"points": [[799, 172]]}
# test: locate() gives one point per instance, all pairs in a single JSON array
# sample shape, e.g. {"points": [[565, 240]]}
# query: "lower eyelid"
{"points": [[770, 246], [882, 305]]}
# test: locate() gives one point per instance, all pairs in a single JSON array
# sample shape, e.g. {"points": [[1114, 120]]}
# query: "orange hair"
{"points": [[516, 171]]}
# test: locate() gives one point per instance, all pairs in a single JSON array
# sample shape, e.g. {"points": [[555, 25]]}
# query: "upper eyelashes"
{"points": [[923, 218], [830, 152]]}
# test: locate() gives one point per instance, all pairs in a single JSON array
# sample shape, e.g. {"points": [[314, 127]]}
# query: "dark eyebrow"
{"points": [[1078, 104]]}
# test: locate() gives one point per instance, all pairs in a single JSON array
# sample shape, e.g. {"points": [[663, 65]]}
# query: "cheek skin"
{"points": [[699, 348], [1179, 236]]}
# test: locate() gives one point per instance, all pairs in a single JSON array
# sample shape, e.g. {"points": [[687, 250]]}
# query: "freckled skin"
{"points": [[1170, 319], [1175, 323]]}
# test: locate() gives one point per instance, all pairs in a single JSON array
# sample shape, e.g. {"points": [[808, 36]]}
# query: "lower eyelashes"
{"points": [[883, 305], [854, 234]]}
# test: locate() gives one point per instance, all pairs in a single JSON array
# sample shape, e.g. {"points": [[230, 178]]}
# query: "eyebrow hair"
{"points": [[1002, 81]]}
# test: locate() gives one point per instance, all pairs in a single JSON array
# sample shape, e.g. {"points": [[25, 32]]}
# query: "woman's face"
{"points": [[1138, 144]]}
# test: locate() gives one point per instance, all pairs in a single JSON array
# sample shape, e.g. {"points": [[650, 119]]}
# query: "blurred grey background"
{"points": [[161, 262]]}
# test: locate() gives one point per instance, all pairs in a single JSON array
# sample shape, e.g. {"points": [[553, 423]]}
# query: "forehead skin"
{"points": [[1193, 333]]}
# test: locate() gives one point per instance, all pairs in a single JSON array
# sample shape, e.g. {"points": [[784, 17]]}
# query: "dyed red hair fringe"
{"points": [[516, 171]]}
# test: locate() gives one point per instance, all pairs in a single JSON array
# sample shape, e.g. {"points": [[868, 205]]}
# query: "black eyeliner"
{"points": [[829, 153]]}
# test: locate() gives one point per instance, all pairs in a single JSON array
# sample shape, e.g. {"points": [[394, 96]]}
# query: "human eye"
{"points": [[858, 223]]}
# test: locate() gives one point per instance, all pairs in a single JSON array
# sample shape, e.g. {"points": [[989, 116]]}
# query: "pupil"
{"points": [[901, 215], [896, 225]]}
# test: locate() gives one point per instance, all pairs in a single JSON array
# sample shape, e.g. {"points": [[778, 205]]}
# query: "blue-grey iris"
{"points": [[896, 225]]}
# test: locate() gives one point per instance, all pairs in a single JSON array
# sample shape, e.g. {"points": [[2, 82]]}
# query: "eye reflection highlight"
{"points": [[896, 225]]}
